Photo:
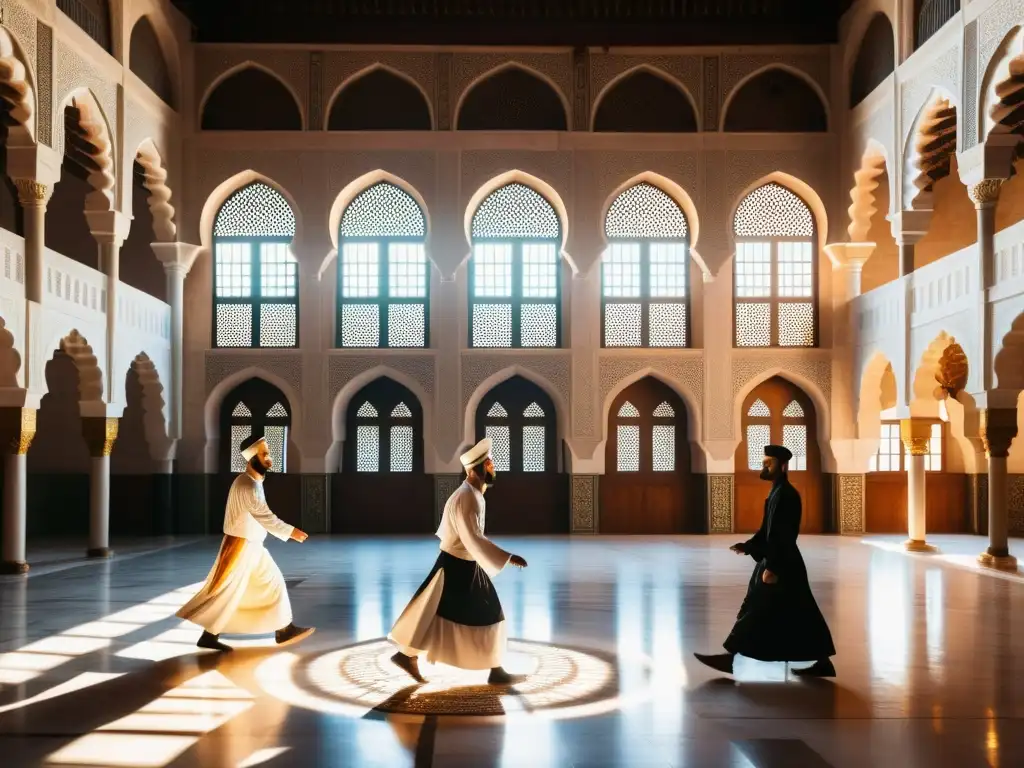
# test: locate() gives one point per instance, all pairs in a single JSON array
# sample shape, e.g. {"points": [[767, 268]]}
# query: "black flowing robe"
{"points": [[780, 621]]}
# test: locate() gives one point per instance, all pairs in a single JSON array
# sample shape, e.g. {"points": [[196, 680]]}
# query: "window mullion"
{"points": [[517, 293], [256, 291], [645, 294], [774, 301], [383, 256]]}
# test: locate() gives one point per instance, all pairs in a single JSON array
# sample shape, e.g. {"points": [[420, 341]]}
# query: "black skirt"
{"points": [[468, 597]]}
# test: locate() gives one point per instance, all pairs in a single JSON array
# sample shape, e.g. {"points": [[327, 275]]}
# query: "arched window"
{"points": [[644, 276], [519, 418], [383, 275], [775, 272], [645, 444], [384, 430], [515, 274], [788, 428], [255, 299], [255, 407]]}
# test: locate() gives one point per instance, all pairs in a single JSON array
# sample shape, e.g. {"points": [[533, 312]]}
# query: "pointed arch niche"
{"points": [[382, 488], [779, 412], [645, 101], [521, 420], [647, 487], [257, 407], [512, 98], [379, 99], [250, 98]]}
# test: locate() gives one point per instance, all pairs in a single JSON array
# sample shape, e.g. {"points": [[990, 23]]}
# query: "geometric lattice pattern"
{"points": [[794, 437], [497, 411], [279, 325], [515, 211], [664, 411], [234, 325], [239, 432], [368, 448], [366, 411], [628, 447], [792, 411], [533, 411], [533, 449], [501, 453], [753, 324], [758, 436], [276, 411], [772, 210], [622, 325], [796, 324], [538, 325], [242, 410], [360, 325], [759, 410], [383, 210], [645, 212], [277, 442], [650, 272], [664, 447], [255, 210], [407, 325], [401, 448], [401, 411], [667, 325], [492, 325], [628, 411]]}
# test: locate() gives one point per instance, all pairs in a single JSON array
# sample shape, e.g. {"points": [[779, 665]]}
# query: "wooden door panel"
{"points": [[885, 503], [633, 505], [528, 503], [382, 503]]}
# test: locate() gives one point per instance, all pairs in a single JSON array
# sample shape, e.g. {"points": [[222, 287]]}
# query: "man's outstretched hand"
{"points": [[299, 536], [517, 561], [738, 549]]}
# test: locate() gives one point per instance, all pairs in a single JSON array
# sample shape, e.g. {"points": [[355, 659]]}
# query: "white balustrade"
{"points": [[140, 313], [1009, 263], [12, 277], [946, 287], [74, 289]]}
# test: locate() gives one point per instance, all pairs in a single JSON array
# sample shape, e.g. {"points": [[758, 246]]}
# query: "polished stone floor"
{"points": [[95, 670]]}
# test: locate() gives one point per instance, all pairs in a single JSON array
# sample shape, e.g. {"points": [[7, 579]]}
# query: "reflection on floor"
{"points": [[96, 671]]}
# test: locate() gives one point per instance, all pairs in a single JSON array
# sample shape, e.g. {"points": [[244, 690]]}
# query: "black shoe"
{"points": [[292, 634], [822, 668], [410, 665], [720, 662], [499, 676], [212, 642]]}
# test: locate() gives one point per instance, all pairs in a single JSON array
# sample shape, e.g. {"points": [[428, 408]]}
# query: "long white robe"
{"points": [[245, 592], [419, 630]]}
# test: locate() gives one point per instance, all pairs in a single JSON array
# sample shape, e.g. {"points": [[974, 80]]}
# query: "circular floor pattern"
{"points": [[561, 683]]}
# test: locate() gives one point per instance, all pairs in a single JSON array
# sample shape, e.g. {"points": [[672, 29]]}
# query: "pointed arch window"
{"points": [[519, 419], [645, 440], [385, 431], [515, 273], [775, 283], [645, 271], [255, 299], [257, 407], [383, 272], [765, 428]]}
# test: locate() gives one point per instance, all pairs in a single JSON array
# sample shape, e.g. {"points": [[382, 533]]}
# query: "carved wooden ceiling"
{"points": [[517, 22]]}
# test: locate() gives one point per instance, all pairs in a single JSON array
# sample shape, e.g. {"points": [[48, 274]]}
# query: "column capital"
{"points": [[998, 427], [100, 435], [33, 193], [850, 255], [36, 162], [17, 429], [109, 227], [916, 435], [177, 258], [985, 194], [908, 227]]}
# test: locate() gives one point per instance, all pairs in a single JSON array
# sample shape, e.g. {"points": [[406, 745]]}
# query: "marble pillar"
{"points": [[17, 428], [998, 428], [916, 434], [100, 434], [33, 197]]}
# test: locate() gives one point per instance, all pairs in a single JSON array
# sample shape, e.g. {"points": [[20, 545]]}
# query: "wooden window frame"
{"points": [[903, 451], [384, 395], [264, 397], [515, 398], [776, 422]]}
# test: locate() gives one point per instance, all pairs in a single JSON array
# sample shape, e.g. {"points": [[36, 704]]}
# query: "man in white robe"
{"points": [[455, 618], [245, 592]]}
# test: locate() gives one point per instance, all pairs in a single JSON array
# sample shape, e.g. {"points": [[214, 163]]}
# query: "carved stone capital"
{"points": [[17, 429], [916, 435], [998, 428], [985, 193], [32, 192], [100, 435]]}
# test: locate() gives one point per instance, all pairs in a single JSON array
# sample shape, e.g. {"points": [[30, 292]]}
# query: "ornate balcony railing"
{"points": [[933, 16], [93, 16]]}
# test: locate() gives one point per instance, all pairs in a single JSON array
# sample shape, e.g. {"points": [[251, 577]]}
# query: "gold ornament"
{"points": [[952, 372]]}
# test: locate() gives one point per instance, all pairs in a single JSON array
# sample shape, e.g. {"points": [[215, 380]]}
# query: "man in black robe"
{"points": [[779, 619]]}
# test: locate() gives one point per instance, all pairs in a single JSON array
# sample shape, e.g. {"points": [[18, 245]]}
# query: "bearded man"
{"points": [[245, 592], [779, 619]]}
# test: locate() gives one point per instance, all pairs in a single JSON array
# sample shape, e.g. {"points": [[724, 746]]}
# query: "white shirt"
{"points": [[247, 515], [462, 531]]}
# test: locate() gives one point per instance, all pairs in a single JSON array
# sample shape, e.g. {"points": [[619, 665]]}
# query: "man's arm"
{"points": [[264, 516], [489, 555]]}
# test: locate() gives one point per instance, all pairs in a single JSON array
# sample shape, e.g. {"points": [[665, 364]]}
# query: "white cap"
{"points": [[476, 454], [253, 449]]}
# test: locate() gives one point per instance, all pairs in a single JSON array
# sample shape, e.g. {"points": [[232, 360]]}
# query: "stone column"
{"points": [[998, 428], [110, 228], [100, 434], [177, 259], [916, 434], [17, 428], [33, 197], [907, 228]]}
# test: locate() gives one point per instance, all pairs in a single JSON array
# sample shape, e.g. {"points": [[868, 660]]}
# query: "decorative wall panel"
{"points": [[443, 106], [444, 487], [994, 25], [44, 83], [712, 94], [1015, 503], [850, 493], [418, 367], [583, 501], [736, 67], [315, 503], [556, 67], [219, 366], [969, 135], [685, 70], [945, 73], [74, 72], [721, 495], [339, 66], [556, 369], [290, 66], [316, 91]]}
